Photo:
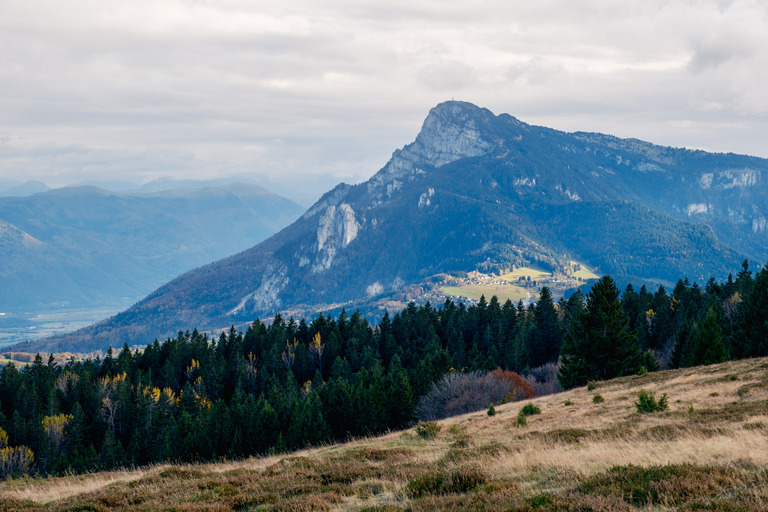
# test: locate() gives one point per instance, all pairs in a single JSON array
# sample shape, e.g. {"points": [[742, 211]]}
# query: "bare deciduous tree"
{"points": [[459, 393]]}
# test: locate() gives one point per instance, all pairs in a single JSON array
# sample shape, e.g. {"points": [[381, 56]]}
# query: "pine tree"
{"points": [[547, 337], [267, 426], [681, 353], [744, 279], [600, 344], [752, 340], [708, 345], [400, 396], [337, 397]]}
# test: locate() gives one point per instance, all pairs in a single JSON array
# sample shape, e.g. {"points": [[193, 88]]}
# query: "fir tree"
{"points": [[752, 340], [681, 352], [708, 345], [547, 337], [600, 345], [400, 396]]}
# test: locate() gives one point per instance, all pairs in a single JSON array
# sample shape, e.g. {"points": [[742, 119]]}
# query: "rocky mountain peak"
{"points": [[453, 130]]}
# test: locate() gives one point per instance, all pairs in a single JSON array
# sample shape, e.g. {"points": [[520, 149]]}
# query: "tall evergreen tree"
{"points": [[400, 403], [681, 352], [600, 345], [753, 338], [708, 345], [547, 336]]}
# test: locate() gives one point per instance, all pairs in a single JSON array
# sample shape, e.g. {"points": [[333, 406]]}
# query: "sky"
{"points": [[302, 95]]}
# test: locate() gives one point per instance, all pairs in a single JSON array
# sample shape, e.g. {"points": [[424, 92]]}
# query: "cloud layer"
{"points": [[310, 93]]}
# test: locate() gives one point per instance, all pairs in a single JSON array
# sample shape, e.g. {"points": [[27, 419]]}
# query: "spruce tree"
{"points": [[708, 345], [681, 353], [548, 336], [753, 338], [400, 394], [600, 345]]}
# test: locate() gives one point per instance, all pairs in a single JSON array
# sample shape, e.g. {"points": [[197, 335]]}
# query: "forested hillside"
{"points": [[282, 386]]}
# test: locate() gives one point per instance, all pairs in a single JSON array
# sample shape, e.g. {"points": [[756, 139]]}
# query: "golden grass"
{"points": [[17, 364], [534, 273], [581, 455], [584, 272], [475, 291], [45, 490], [512, 290]]}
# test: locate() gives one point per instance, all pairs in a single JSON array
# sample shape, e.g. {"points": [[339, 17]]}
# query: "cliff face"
{"points": [[478, 189]]}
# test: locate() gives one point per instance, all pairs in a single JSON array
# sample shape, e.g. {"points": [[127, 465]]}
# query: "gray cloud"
{"points": [[309, 93]]}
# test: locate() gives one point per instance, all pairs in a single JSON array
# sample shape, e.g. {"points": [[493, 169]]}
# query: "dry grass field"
{"points": [[707, 451]]}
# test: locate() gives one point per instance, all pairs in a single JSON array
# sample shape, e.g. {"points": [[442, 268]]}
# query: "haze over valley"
{"points": [[73, 256]]}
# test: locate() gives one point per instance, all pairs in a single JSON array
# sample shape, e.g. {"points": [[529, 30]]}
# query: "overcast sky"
{"points": [[303, 94]]}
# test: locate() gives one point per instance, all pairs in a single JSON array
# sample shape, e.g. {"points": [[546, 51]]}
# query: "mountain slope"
{"points": [[475, 190], [85, 247]]}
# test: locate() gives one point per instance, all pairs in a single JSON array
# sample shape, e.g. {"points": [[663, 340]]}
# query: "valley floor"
{"points": [[708, 450]]}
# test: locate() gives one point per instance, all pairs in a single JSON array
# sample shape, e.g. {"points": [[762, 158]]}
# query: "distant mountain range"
{"points": [[22, 189], [476, 191], [83, 247]]}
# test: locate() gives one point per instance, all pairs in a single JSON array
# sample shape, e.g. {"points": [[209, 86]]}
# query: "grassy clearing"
{"points": [[509, 286], [534, 273], [584, 273], [704, 452], [502, 292], [17, 364]]}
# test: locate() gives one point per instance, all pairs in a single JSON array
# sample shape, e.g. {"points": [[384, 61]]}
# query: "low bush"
{"points": [[530, 409], [598, 399], [440, 483], [667, 485], [428, 429], [646, 402], [521, 421]]}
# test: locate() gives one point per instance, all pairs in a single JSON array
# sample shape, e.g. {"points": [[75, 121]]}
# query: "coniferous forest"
{"points": [[282, 386]]}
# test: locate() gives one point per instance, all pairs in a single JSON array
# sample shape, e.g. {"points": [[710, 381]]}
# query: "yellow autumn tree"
{"points": [[15, 461], [110, 405], [316, 347], [289, 354], [53, 429]]}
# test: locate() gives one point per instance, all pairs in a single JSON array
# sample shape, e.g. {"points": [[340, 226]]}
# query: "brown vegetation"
{"points": [[703, 453], [459, 393]]}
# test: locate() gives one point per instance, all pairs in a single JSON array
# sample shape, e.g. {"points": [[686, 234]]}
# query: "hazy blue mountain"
{"points": [[82, 247], [24, 189], [477, 191]]}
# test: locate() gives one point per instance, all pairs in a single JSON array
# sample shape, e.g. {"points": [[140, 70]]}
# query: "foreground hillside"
{"points": [[707, 451]]}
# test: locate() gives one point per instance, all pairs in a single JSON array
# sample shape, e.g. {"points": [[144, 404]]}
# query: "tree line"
{"points": [[284, 385]]}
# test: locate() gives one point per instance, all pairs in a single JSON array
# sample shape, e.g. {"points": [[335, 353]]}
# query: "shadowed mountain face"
{"points": [[478, 191], [84, 247]]}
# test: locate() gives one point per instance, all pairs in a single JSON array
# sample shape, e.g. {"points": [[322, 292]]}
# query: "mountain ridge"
{"points": [[476, 190], [84, 245]]}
